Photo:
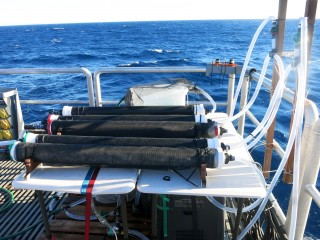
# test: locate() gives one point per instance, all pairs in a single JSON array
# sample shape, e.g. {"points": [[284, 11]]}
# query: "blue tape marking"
{"points": [[87, 180]]}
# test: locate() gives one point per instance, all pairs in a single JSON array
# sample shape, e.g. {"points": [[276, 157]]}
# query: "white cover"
{"points": [[70, 179]]}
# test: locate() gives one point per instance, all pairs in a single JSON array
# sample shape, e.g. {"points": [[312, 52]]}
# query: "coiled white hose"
{"points": [[272, 108], [254, 96], [267, 121], [246, 62], [296, 129]]}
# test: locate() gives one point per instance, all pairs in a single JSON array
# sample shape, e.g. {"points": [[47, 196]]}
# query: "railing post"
{"points": [[310, 13], [310, 177], [243, 102], [88, 75], [232, 78], [98, 89], [311, 116], [282, 12]]}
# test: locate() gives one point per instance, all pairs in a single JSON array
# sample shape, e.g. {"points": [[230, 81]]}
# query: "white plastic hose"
{"points": [[297, 123], [245, 209], [268, 121], [213, 103], [246, 62], [234, 210], [272, 108], [254, 96], [302, 75]]}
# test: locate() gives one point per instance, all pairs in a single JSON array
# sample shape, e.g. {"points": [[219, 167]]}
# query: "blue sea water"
{"points": [[145, 44]]}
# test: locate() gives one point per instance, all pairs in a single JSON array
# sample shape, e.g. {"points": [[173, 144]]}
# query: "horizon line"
{"points": [[132, 21]]}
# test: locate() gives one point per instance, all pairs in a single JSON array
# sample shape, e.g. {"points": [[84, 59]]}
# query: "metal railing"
{"points": [[138, 70], [312, 124], [81, 70]]}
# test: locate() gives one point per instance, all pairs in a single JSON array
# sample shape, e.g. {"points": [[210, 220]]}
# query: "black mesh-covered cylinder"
{"points": [[115, 156], [123, 141], [183, 118], [160, 129], [136, 110]]}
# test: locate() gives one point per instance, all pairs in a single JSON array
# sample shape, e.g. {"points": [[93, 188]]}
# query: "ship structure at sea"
{"points": [[163, 149]]}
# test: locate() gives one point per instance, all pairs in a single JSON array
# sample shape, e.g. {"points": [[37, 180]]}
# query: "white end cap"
{"points": [[30, 137], [66, 111]]}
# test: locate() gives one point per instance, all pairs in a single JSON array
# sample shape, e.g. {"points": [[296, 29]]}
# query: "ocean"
{"points": [[147, 44]]}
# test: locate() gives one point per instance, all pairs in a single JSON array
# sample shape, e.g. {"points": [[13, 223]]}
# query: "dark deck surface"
{"points": [[24, 213], [23, 219]]}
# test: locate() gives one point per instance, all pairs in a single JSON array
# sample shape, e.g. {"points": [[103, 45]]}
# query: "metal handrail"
{"points": [[82, 70], [314, 193], [125, 70]]}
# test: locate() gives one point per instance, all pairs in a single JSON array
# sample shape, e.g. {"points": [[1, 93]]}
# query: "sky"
{"points": [[27, 12]]}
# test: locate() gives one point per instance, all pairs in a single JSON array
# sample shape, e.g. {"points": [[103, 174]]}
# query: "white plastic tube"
{"points": [[295, 130], [246, 62], [213, 103], [247, 208], [272, 108], [273, 183], [254, 96], [302, 71], [234, 210], [268, 120], [277, 93]]}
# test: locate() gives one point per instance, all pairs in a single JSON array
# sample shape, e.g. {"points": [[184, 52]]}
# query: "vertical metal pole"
{"points": [[44, 214], [243, 102], [311, 117], [98, 89], [288, 168], [310, 13], [310, 177], [232, 79], [275, 78], [124, 216], [88, 75]]}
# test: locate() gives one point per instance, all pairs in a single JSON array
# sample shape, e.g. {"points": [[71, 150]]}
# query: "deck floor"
{"points": [[23, 220], [67, 228], [24, 213]]}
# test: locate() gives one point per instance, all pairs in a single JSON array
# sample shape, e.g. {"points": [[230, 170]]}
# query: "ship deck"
{"points": [[25, 213]]}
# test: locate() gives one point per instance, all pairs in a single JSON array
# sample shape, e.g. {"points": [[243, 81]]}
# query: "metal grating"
{"points": [[24, 212]]}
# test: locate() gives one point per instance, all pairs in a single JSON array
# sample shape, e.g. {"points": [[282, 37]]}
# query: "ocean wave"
{"points": [[57, 28], [159, 50], [42, 59], [38, 91], [83, 56], [56, 40], [175, 62], [166, 62], [155, 50], [138, 64]]}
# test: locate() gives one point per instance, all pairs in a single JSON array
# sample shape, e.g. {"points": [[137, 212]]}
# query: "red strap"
{"points": [[49, 122], [88, 202]]}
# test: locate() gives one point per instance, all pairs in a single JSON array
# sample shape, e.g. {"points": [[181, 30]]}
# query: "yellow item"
{"points": [[4, 124], [3, 113], [6, 134]]}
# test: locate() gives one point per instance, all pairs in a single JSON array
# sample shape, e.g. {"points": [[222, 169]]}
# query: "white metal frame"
{"points": [[82, 70]]}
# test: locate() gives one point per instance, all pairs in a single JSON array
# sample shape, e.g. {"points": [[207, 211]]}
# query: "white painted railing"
{"points": [[81, 70]]}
